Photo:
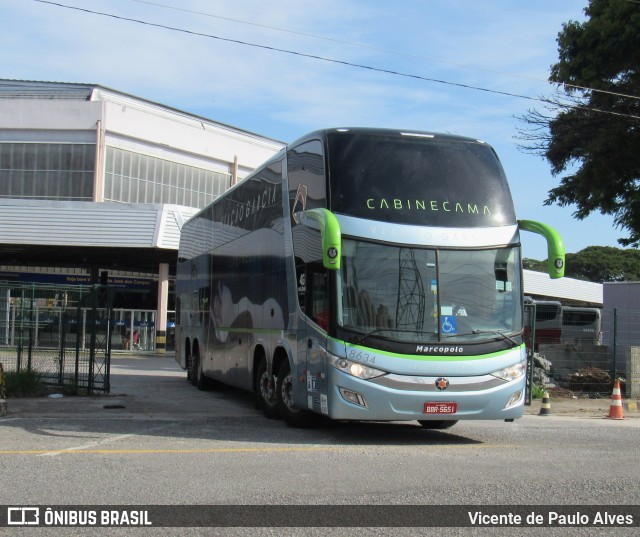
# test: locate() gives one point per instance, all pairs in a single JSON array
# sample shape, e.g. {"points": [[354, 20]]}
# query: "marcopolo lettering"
{"points": [[397, 204], [439, 349]]}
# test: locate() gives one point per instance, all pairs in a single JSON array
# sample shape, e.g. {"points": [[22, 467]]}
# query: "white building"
{"points": [[621, 321], [96, 183]]}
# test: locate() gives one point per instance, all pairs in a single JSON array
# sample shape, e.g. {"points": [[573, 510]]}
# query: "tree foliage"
{"points": [[597, 264], [590, 132]]}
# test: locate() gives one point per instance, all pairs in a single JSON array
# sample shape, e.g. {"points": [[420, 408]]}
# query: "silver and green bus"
{"points": [[362, 274]]}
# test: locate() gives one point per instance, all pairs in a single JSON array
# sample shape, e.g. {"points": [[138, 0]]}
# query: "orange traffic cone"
{"points": [[616, 412]]}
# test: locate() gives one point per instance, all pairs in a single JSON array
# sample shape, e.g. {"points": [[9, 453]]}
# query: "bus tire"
{"points": [[437, 424], [191, 372], [197, 375], [293, 415], [266, 391]]}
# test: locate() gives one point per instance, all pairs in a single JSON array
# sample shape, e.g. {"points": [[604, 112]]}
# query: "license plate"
{"points": [[440, 408]]}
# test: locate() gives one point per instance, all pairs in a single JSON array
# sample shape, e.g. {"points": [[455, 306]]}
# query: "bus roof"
{"points": [[323, 133]]}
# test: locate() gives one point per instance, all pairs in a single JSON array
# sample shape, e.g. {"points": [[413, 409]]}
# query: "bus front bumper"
{"points": [[404, 398]]}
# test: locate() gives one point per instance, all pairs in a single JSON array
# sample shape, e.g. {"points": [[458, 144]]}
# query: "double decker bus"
{"points": [[581, 325], [559, 324], [548, 322], [362, 274]]}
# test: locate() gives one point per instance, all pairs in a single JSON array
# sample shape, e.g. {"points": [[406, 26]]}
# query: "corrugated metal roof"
{"points": [[124, 225], [27, 89], [172, 220], [539, 283]]}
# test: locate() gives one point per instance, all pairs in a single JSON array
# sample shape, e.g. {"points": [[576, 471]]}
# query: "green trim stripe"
{"points": [[432, 358], [415, 357]]}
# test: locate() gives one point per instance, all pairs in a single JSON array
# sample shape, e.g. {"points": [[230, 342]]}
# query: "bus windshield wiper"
{"points": [[362, 339], [496, 332]]}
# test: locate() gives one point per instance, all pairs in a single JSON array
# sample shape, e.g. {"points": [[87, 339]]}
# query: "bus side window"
{"points": [[203, 305], [306, 175], [317, 305], [312, 292], [301, 282]]}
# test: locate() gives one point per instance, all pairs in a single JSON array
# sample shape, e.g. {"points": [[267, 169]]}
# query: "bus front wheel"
{"points": [[293, 415], [437, 424]]}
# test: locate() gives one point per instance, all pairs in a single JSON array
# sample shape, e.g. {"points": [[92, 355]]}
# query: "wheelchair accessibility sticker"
{"points": [[449, 324]]}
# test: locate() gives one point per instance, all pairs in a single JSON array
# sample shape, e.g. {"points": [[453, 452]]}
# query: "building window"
{"points": [[47, 171], [134, 178]]}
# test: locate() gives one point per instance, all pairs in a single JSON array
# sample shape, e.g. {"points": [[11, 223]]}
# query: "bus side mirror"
{"points": [[555, 246], [331, 237]]}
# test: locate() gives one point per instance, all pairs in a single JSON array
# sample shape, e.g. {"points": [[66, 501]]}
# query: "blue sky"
{"points": [[500, 45]]}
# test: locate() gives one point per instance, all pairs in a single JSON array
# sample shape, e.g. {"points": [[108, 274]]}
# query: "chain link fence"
{"points": [[581, 351], [59, 332], [622, 335]]}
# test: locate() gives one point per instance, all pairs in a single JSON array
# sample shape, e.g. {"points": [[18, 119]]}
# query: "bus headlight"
{"points": [[512, 373], [354, 369]]}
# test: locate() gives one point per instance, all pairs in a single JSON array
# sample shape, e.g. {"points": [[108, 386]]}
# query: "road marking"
{"points": [[108, 440], [87, 446], [143, 451]]}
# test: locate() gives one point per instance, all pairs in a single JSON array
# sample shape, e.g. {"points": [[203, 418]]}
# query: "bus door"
{"points": [[313, 297]]}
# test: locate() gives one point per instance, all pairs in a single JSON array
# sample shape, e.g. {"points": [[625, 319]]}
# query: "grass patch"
{"points": [[23, 384]]}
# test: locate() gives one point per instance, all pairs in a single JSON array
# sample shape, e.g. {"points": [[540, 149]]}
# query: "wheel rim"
{"points": [[286, 391], [267, 389]]}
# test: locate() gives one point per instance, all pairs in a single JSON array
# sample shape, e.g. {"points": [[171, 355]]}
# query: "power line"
{"points": [[329, 60], [276, 49], [391, 51], [340, 41]]}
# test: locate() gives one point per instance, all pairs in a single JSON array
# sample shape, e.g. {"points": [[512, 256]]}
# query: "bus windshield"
{"points": [[405, 179], [409, 294]]}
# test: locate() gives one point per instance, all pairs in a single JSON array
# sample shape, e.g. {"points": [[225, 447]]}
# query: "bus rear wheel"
{"points": [[191, 372], [437, 424], [197, 376], [266, 392], [293, 415]]}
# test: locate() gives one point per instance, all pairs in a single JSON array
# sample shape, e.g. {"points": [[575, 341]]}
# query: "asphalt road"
{"points": [[156, 440]]}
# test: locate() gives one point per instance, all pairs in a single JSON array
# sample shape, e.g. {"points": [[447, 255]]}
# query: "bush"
{"points": [[537, 392], [23, 384]]}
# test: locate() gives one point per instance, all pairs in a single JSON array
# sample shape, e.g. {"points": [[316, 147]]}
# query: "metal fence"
{"points": [[583, 356], [62, 333]]}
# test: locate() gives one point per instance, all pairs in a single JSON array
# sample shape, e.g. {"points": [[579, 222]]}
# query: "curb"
{"points": [[631, 406]]}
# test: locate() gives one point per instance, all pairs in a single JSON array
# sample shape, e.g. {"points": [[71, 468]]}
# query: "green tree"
{"points": [[598, 264], [534, 264], [590, 132]]}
